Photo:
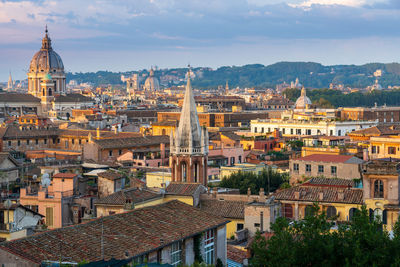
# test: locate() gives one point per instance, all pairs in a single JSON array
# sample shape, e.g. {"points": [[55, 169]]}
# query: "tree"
{"points": [[310, 242], [268, 179]]}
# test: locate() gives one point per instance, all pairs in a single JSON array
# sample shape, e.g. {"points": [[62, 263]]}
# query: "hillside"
{"points": [[310, 74]]}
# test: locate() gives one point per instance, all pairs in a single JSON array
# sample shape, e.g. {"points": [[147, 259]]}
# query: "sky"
{"points": [[123, 35]]}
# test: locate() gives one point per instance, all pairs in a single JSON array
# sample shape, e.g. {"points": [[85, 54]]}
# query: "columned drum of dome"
{"points": [[46, 61]]}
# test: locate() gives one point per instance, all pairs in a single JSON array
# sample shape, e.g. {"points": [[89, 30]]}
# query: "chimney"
{"points": [[116, 130], [340, 195], [262, 198], [297, 195], [365, 154], [320, 196], [98, 132]]}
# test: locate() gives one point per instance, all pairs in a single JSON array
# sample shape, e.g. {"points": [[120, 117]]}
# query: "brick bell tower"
{"points": [[189, 144]]}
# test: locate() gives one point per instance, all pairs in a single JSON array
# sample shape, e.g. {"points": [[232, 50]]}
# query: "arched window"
{"points": [[287, 211], [309, 211], [331, 212], [378, 189], [352, 213], [184, 172], [163, 132]]}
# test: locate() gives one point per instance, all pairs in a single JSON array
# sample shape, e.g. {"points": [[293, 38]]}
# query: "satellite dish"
{"points": [[45, 180], [34, 177]]}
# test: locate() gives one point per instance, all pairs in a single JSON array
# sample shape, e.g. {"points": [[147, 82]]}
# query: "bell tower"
{"points": [[189, 144]]}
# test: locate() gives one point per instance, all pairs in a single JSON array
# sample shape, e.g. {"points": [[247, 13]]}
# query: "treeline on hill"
{"points": [[268, 179], [311, 242], [310, 74], [327, 98]]}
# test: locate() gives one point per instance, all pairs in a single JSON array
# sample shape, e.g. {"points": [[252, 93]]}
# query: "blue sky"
{"points": [[120, 35]]}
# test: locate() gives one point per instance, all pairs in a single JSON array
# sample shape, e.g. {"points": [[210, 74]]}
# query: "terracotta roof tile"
{"points": [[110, 175], [184, 189], [136, 232], [66, 175], [223, 208], [135, 195], [336, 182], [235, 254], [312, 194], [132, 142]]}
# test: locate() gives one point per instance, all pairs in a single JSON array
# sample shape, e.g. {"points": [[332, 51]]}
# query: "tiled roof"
{"points": [[134, 194], [14, 132], [235, 254], [110, 175], [377, 131], [17, 97], [184, 189], [66, 175], [136, 232], [132, 142], [329, 194], [329, 158], [223, 208], [329, 182], [72, 98]]}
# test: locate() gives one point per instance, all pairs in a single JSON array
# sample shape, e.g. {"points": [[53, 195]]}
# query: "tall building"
{"points": [[46, 67], [132, 84], [189, 145]]}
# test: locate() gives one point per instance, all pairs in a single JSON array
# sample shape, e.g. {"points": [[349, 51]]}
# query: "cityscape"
{"points": [[191, 160]]}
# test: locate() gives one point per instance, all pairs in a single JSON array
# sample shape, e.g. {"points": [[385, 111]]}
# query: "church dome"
{"points": [[303, 101], [151, 83], [46, 59]]}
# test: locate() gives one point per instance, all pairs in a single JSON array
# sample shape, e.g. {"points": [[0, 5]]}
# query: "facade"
{"points": [[109, 182], [384, 147], [189, 145], [172, 231], [384, 115], [44, 63], [325, 165], [301, 127], [53, 201]]}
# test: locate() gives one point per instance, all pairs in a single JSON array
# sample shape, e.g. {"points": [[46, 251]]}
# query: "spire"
{"points": [[188, 137], [10, 83]]}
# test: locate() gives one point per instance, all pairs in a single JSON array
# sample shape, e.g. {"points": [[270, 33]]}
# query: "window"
{"points": [[262, 129], [308, 131], [331, 212], [373, 149], [352, 212], [232, 160], [120, 152], [240, 159], [80, 141], [287, 211], [45, 141], [309, 211], [378, 189], [257, 225], [49, 216], [239, 226], [333, 170], [308, 167], [9, 143], [176, 254], [209, 247], [110, 153], [73, 141], [339, 133], [331, 132], [19, 142], [291, 131], [283, 131], [320, 168], [255, 129], [27, 141], [392, 150], [295, 167]]}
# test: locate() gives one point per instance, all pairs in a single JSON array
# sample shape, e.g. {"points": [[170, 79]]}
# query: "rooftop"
{"points": [[223, 208], [135, 232], [185, 189], [133, 195], [331, 158]]}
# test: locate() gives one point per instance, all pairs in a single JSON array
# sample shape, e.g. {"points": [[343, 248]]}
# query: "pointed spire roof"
{"points": [[189, 130]]}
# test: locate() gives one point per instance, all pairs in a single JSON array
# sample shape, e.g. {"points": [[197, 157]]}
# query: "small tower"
{"points": [[189, 144], [47, 92], [226, 88], [10, 83]]}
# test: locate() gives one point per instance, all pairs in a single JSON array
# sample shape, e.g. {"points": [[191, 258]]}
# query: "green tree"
{"points": [[310, 242]]}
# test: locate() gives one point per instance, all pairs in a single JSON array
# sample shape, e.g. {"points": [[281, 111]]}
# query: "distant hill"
{"points": [[310, 74]]}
